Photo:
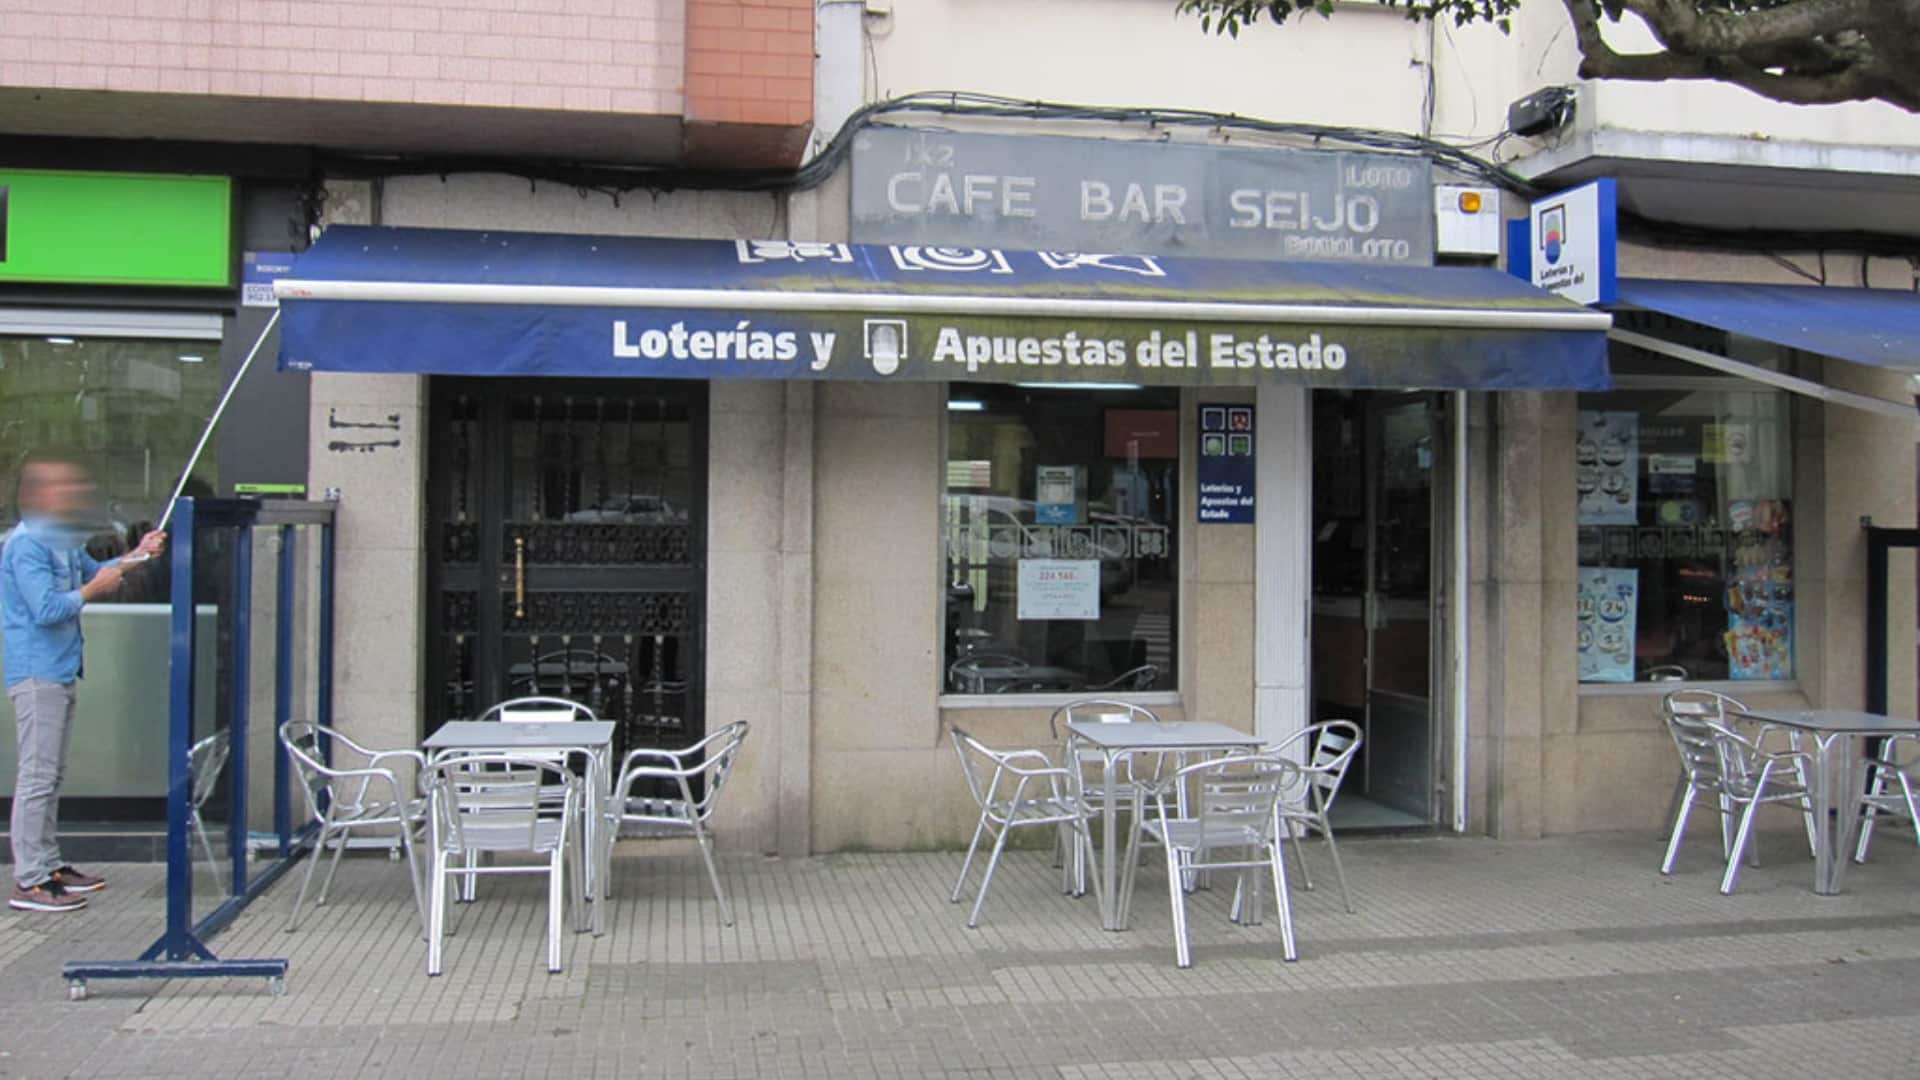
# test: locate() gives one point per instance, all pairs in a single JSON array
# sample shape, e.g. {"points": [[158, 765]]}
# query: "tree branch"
{"points": [[1789, 55], [1680, 24]]}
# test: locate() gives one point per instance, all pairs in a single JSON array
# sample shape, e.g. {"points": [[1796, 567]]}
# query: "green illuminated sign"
{"points": [[115, 228]]}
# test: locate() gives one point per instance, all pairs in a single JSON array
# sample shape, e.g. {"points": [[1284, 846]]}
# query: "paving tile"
{"points": [[1467, 958]]}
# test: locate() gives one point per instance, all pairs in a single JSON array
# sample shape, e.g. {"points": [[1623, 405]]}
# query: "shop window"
{"points": [[127, 410], [1059, 522], [1685, 534]]}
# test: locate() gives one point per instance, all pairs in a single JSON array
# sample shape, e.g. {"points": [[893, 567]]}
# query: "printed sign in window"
{"points": [[1056, 495], [1059, 589]]}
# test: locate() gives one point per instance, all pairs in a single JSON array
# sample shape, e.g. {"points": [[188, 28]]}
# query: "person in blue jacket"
{"points": [[46, 578]]}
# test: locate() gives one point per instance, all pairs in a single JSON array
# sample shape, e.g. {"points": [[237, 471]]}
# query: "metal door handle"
{"points": [[519, 577]]}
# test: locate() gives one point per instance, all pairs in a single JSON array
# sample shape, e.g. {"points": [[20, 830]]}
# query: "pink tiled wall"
{"points": [[592, 55]]}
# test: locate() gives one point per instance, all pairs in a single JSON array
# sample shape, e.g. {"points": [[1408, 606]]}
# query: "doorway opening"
{"points": [[566, 542], [1383, 471]]}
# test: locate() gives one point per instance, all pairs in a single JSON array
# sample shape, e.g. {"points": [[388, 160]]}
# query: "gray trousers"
{"points": [[43, 712]]}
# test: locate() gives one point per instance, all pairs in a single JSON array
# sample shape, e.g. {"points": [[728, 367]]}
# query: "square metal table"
{"points": [[539, 737], [1838, 779], [1115, 741]]}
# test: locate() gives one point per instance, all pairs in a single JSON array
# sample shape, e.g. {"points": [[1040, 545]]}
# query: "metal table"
{"points": [[1117, 741], [595, 737], [1836, 774]]}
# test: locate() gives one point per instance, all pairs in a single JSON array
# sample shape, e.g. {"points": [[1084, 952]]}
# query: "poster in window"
{"points": [[1607, 463], [1727, 444], [1607, 607], [1759, 636], [1051, 589], [1056, 495]]}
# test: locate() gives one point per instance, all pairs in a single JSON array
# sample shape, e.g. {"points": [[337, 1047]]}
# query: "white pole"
{"points": [[218, 410]]}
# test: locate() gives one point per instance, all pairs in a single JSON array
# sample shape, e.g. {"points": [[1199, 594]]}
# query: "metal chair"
{"points": [[1699, 771], [344, 801], [533, 709], [206, 760], [1235, 805], [967, 675], [703, 766], [999, 781], [1138, 679], [1878, 800], [538, 709], [1325, 751], [1090, 785], [1752, 775], [493, 803]]}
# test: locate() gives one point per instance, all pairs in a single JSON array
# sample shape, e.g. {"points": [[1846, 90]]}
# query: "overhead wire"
{"points": [[1459, 159]]}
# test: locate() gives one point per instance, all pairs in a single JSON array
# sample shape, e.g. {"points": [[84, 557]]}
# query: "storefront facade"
{"points": [[873, 548], [846, 562]]}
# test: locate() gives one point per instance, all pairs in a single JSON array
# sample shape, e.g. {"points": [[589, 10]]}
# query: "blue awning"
{"points": [[492, 303], [1867, 326]]}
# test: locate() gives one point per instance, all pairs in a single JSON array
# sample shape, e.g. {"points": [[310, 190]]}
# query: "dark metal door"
{"points": [[567, 543]]}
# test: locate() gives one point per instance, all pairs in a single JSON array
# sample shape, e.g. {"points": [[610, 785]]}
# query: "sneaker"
{"points": [[78, 881], [46, 896]]}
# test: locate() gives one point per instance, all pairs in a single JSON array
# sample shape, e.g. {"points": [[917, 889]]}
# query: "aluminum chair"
{"points": [[703, 766], [492, 803], [1015, 789], [1090, 785], [531, 710], [967, 674], [1325, 751], [1685, 711], [206, 760], [1137, 679], [536, 709], [1879, 800], [345, 801], [1744, 774], [1752, 775], [1235, 803]]}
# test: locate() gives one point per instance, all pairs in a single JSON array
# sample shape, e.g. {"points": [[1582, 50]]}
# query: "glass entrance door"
{"points": [[1402, 443], [567, 536], [1381, 475]]}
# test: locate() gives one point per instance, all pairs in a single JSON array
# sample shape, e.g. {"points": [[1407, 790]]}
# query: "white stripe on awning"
{"points": [[921, 303]]}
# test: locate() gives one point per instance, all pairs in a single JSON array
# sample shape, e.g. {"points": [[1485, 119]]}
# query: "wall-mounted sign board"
{"points": [[85, 228]]}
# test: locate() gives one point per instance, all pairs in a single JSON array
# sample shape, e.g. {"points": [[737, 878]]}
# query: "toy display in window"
{"points": [[1759, 635]]}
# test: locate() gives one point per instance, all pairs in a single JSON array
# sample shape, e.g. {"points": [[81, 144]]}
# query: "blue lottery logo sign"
{"points": [[1553, 233], [1226, 464]]}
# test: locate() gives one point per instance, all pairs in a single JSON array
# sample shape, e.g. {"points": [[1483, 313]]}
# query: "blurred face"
{"points": [[58, 490]]}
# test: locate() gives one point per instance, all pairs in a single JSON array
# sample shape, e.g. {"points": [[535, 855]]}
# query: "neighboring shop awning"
{"points": [[1880, 327], [491, 303]]}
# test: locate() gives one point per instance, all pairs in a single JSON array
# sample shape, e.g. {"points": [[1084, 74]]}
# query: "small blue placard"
{"points": [[1056, 499], [258, 271], [1226, 464]]}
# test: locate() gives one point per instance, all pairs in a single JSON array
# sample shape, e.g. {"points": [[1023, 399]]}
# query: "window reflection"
{"points": [[129, 411], [1059, 527]]}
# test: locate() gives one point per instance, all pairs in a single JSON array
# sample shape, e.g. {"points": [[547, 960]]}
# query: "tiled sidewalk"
{"points": [[1565, 958]]}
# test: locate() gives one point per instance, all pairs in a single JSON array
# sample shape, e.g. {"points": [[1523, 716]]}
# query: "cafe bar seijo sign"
{"points": [[1046, 192]]}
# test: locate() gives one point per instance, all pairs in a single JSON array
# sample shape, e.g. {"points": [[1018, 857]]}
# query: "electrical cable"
{"points": [[616, 181]]}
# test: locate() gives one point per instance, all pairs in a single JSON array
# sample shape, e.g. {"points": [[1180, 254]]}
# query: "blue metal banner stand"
{"points": [[181, 951]]}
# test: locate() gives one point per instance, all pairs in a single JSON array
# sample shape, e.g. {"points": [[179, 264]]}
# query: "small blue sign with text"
{"points": [[1226, 464]]}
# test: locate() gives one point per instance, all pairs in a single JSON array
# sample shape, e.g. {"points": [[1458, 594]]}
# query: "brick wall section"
{"points": [[619, 56], [750, 62]]}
